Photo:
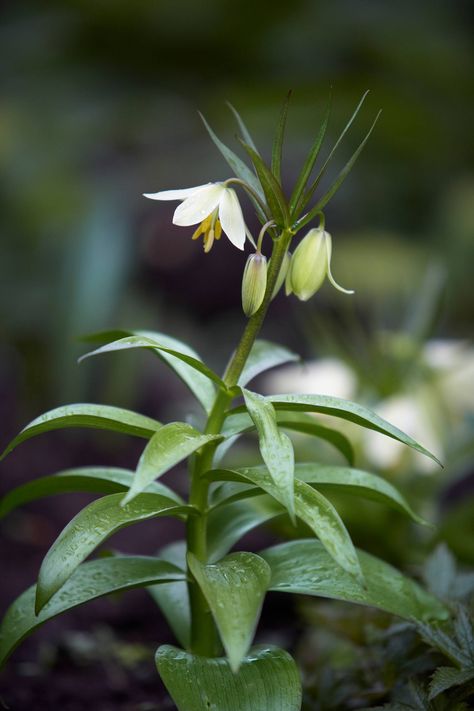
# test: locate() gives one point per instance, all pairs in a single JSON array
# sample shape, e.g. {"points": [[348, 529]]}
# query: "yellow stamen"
{"points": [[203, 227], [208, 240], [218, 229]]}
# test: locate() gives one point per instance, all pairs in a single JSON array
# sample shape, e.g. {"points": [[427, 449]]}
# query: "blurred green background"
{"points": [[99, 104]]}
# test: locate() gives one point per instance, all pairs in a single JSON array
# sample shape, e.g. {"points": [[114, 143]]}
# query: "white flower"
{"points": [[214, 207]]}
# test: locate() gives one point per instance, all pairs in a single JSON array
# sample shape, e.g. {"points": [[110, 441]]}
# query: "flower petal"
{"points": [[231, 217], [175, 194], [329, 273], [198, 206]]}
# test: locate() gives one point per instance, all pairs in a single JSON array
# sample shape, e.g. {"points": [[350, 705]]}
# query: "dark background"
{"points": [[99, 104]]}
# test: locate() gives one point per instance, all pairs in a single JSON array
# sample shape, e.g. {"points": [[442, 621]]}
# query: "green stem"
{"points": [[203, 632]]}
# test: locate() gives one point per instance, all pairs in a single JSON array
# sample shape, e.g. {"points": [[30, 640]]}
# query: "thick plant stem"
{"points": [[203, 632]]}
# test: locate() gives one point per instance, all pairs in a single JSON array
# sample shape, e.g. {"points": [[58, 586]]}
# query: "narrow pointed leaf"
{"points": [[311, 507], [304, 567], [268, 680], [179, 356], [272, 190], [437, 637], [91, 527], [315, 183], [346, 410], [322, 202], [277, 147], [94, 480], [241, 170], [234, 588], [464, 632], [173, 598], [445, 678], [102, 417], [263, 356], [176, 442], [229, 522], [275, 447], [243, 128], [310, 161], [358, 482], [89, 581]]}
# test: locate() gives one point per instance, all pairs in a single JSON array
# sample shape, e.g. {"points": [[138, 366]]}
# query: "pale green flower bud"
{"points": [[282, 273], [310, 265], [254, 283]]}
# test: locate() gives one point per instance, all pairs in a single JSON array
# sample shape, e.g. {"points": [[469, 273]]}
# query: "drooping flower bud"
{"points": [[254, 283], [310, 265], [282, 273]]}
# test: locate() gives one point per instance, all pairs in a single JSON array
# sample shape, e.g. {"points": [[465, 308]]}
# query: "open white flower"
{"points": [[214, 207]]}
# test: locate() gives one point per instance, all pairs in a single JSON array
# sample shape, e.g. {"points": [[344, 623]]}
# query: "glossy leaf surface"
{"points": [[347, 410], [234, 588], [268, 680], [171, 444], [102, 417], [91, 527], [275, 447], [94, 480], [277, 146], [305, 568], [357, 482], [89, 581], [178, 355], [263, 356], [311, 507]]}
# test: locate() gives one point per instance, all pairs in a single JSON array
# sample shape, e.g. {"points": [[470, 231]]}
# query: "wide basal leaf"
{"points": [[275, 447], [102, 417], [178, 355], [263, 356], [94, 480], [311, 507], [173, 598], [268, 680], [357, 482], [346, 410], [234, 588], [305, 568], [229, 522], [89, 581], [176, 442], [91, 527]]}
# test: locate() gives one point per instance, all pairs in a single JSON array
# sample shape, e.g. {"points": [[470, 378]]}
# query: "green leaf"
{"points": [[173, 599], [315, 183], [238, 423], [89, 581], [234, 588], [176, 441], [91, 527], [311, 507], [357, 482], [277, 147], [275, 447], [272, 190], [94, 480], [268, 680], [304, 567], [310, 161], [180, 357], [464, 632], [230, 521], [102, 417], [322, 202], [346, 410], [241, 170], [437, 637], [263, 356], [445, 678], [243, 128]]}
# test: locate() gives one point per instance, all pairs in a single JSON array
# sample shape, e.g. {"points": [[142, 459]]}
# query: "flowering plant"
{"points": [[212, 597]]}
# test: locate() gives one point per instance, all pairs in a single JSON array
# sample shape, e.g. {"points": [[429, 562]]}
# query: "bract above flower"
{"points": [[214, 207]]}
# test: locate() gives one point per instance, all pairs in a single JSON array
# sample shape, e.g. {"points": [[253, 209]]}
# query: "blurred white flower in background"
{"points": [[328, 376]]}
